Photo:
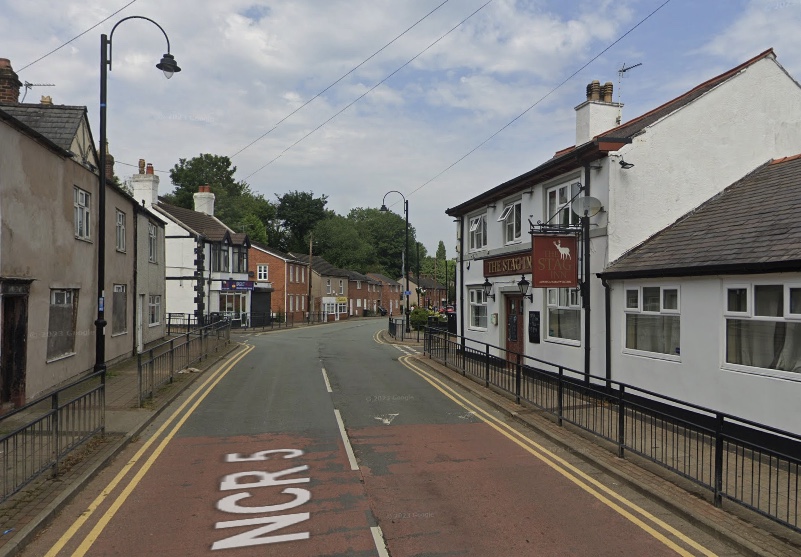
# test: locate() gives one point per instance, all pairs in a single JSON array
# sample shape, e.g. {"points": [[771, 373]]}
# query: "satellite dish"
{"points": [[589, 205]]}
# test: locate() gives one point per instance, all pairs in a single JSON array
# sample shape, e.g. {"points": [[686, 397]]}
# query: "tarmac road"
{"points": [[324, 441]]}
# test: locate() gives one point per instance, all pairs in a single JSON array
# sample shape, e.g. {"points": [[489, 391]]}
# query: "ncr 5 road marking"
{"points": [[200, 394], [582, 480]]}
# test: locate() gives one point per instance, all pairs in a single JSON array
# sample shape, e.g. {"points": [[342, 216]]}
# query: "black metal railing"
{"points": [[751, 464], [157, 365], [38, 435]]}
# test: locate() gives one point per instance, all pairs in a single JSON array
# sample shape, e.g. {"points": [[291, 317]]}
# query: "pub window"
{"points": [[478, 309], [564, 314]]}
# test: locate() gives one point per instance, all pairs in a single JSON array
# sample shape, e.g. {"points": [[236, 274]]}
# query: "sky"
{"points": [[439, 100]]}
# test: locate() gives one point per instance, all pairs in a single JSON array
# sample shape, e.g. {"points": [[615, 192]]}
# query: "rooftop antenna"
{"points": [[620, 74], [28, 85]]}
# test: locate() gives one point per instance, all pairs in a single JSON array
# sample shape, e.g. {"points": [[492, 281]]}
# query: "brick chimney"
{"points": [[204, 200], [145, 185], [9, 83], [598, 113], [109, 164]]}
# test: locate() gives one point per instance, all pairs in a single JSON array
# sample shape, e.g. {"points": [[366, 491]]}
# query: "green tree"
{"points": [[338, 241], [386, 232], [299, 212]]}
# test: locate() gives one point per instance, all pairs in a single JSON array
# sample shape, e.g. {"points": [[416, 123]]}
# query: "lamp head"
{"points": [[168, 65], [523, 285], [488, 289], [383, 208]]}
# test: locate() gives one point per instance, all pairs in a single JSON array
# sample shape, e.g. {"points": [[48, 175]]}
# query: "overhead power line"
{"points": [[371, 89], [76, 37], [362, 63]]}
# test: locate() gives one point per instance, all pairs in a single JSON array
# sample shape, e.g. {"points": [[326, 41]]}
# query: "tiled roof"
{"points": [[275, 252], [429, 284], [58, 123], [751, 226], [570, 157], [320, 265], [384, 279], [211, 228]]}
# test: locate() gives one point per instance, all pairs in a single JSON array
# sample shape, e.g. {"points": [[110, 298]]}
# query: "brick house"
{"points": [[390, 293], [363, 294], [329, 287], [282, 286], [435, 293]]}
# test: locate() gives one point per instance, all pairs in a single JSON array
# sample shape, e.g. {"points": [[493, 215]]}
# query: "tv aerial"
{"points": [[621, 73], [28, 85]]}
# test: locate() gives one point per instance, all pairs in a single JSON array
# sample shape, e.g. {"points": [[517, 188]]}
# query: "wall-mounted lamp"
{"points": [[625, 165], [488, 289], [523, 286]]}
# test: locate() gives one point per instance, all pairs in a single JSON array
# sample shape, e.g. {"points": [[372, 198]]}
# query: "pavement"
{"points": [[29, 511]]}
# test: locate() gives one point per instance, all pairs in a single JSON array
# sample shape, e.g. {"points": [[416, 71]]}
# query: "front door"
{"points": [[514, 327], [14, 349]]}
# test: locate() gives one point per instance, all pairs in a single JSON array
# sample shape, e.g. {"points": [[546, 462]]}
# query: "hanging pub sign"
{"points": [[555, 261]]}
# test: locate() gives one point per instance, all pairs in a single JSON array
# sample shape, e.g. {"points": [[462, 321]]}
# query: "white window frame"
{"points": [[477, 298], [510, 235], [82, 204], [120, 231], [117, 288], [478, 232], [291, 273], [341, 287], [152, 243], [573, 218], [552, 301], [328, 286], [154, 310], [262, 272], [662, 311]]}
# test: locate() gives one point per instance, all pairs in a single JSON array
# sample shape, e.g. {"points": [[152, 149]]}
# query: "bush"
{"points": [[418, 319]]}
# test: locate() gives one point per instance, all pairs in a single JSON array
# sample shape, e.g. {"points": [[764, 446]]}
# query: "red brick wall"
{"points": [[278, 274]]}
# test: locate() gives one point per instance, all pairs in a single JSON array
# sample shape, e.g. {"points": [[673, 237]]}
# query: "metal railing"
{"points": [[753, 465], [38, 435], [157, 365]]}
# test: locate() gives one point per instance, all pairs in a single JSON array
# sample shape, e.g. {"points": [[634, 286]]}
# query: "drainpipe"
{"points": [[136, 282], [608, 325], [585, 231]]}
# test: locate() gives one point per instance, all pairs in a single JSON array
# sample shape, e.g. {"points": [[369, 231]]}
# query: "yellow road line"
{"points": [[562, 466], [73, 529]]}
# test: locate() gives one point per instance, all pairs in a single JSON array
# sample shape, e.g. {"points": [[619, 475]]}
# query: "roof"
{"points": [[750, 227], [274, 252], [26, 129], [57, 122], [383, 279], [429, 284], [200, 223], [354, 275], [610, 140], [321, 266]]}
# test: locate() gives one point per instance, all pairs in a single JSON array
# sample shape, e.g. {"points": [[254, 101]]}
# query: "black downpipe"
{"points": [[457, 284], [585, 222], [608, 334]]}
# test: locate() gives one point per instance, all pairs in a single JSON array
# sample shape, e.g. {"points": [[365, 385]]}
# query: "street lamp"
{"points": [[405, 251], [169, 67]]}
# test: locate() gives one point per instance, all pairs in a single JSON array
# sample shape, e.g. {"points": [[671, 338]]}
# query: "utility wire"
{"points": [[357, 99], [571, 76], [76, 37], [338, 80]]}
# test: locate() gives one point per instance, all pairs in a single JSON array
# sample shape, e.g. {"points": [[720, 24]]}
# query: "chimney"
{"points": [[204, 200], [145, 185], [47, 99], [9, 83], [109, 165], [598, 113]]}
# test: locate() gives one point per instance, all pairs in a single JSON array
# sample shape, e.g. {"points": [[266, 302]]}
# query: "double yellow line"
{"points": [[198, 396], [634, 513]]}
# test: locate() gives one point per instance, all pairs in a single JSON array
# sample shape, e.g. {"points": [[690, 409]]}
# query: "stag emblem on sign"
{"points": [[563, 252]]}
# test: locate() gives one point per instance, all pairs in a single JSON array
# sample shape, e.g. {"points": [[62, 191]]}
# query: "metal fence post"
{"points": [[560, 389], [139, 377], [719, 460], [103, 404], [621, 422], [151, 366], [518, 374], [172, 359], [56, 424], [486, 366]]}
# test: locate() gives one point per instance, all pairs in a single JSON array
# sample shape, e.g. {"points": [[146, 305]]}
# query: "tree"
{"points": [[386, 232], [339, 242], [299, 212]]}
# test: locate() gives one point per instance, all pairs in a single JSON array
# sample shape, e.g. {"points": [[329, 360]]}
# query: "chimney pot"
{"points": [[607, 92], [596, 90], [141, 166], [46, 99], [149, 168]]}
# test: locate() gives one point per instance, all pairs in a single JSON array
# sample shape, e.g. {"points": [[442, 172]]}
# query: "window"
{"points": [[119, 310], [120, 231], [341, 287], [303, 274], [291, 303], [564, 314], [559, 205], [512, 218], [154, 310], [61, 325], [82, 204], [291, 273], [328, 286], [478, 232], [342, 308], [358, 285], [763, 325], [219, 257], [478, 309], [262, 272], [652, 319], [239, 264], [303, 303], [152, 244]]}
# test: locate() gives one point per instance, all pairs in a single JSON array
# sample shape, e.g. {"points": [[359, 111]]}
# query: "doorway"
{"points": [[514, 327], [14, 348]]}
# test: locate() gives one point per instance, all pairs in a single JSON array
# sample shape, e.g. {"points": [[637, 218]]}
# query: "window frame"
{"points": [[476, 298], [119, 288], [573, 218], [154, 301], [70, 298], [478, 232], [120, 243], [669, 312], [570, 306], [82, 212], [152, 243], [263, 272], [511, 210]]}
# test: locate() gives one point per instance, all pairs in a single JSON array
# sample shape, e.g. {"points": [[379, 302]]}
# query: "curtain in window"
{"points": [[653, 333]]}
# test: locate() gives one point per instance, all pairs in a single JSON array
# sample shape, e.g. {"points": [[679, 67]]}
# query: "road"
{"points": [[325, 441]]}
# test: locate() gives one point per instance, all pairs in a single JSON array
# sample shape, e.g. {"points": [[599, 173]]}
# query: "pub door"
{"points": [[514, 327]]}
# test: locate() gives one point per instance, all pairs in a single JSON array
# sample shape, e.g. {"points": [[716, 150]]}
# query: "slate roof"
{"points": [[200, 223], [429, 283], [275, 252], [752, 226], [321, 266], [383, 279], [610, 140], [57, 122]]}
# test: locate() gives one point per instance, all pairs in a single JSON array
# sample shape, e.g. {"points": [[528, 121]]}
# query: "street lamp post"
{"points": [[405, 252], [169, 67]]}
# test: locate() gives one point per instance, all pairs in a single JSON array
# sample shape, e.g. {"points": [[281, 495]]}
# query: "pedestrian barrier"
{"points": [[38, 435], [157, 365], [751, 464]]}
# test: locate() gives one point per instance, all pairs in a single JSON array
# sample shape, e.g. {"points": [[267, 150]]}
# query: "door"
{"points": [[514, 327], [14, 349]]}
